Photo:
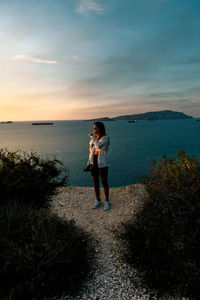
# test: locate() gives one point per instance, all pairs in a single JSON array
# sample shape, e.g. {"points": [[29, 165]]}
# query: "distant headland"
{"points": [[7, 122], [151, 116]]}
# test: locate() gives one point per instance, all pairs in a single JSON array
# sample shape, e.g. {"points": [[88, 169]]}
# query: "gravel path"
{"points": [[111, 275]]}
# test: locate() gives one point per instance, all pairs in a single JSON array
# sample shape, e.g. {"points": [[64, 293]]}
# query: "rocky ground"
{"points": [[111, 274]]}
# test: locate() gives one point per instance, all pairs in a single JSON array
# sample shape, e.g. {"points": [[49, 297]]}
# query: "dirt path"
{"points": [[111, 274], [76, 203]]}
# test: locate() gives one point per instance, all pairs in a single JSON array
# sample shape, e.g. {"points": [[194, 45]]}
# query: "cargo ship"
{"points": [[43, 123]]}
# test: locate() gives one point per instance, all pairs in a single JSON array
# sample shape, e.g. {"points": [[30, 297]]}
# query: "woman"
{"points": [[99, 143]]}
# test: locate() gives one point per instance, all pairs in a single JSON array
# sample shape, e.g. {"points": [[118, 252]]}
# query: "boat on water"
{"points": [[43, 123], [132, 121]]}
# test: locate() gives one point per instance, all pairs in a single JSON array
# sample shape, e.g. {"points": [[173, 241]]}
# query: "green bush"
{"points": [[28, 178], [163, 239], [41, 255]]}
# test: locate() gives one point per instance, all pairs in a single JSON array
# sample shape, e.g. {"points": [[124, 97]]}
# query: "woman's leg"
{"points": [[95, 179], [104, 180]]}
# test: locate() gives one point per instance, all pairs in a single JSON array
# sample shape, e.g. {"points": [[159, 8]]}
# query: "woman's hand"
{"points": [[90, 135]]}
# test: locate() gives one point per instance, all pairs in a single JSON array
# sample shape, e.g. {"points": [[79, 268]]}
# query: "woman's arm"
{"points": [[103, 144]]}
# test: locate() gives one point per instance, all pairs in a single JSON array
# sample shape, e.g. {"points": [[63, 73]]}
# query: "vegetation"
{"points": [[28, 178], [163, 240], [41, 255]]}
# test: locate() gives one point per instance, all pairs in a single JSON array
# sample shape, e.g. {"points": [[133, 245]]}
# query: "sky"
{"points": [[82, 59]]}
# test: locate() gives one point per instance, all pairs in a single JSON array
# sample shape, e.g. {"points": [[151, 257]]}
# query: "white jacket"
{"points": [[102, 146]]}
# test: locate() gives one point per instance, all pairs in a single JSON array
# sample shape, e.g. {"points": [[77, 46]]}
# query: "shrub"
{"points": [[163, 240], [29, 178], [41, 255]]}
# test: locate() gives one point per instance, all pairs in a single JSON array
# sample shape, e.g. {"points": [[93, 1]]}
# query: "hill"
{"points": [[156, 115], [151, 116]]}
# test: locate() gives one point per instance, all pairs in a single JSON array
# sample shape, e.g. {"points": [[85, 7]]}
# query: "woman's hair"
{"points": [[101, 128]]}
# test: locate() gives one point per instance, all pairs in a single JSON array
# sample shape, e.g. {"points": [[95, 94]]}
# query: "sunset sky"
{"points": [[79, 59]]}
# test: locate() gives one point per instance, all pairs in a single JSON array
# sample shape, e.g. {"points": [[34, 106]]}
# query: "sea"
{"points": [[133, 146]]}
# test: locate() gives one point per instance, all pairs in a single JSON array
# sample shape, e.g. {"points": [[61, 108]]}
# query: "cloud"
{"points": [[78, 59], [191, 61], [148, 66], [195, 101], [85, 7], [33, 59]]}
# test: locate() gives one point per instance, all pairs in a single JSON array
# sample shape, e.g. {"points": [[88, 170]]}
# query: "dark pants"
{"points": [[103, 173]]}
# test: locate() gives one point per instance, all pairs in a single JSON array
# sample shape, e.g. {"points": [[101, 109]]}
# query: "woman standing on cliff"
{"points": [[99, 143]]}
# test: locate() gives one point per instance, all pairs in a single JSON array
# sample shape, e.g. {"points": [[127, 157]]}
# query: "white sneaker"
{"points": [[107, 205], [97, 204]]}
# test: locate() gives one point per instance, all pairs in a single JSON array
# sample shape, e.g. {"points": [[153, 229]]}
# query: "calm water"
{"points": [[132, 149]]}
